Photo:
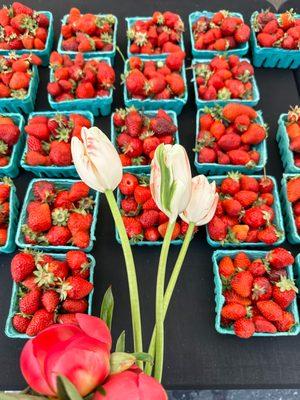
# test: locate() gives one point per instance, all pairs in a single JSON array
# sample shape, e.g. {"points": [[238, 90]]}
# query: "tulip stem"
{"points": [[159, 308], [170, 288], [131, 275]]}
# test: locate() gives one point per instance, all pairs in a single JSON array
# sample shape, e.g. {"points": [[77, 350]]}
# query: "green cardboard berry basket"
{"points": [[52, 171], [12, 168], [287, 210], [60, 184], [241, 50], [45, 53], [203, 103], [97, 105], [138, 169], [26, 104], [13, 308], [130, 21], [278, 220], [219, 169], [91, 54], [176, 104], [283, 141], [220, 299], [270, 57], [10, 245]]}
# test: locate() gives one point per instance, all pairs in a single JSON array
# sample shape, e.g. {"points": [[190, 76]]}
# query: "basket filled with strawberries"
{"points": [[145, 224], [24, 29], [290, 196], [222, 31], [48, 142], [19, 80], [275, 39], [248, 212], [58, 215], [47, 289], [136, 135], [81, 84], [11, 143], [288, 138], [88, 33], [230, 138], [155, 36], [255, 293], [156, 83], [224, 79], [9, 205]]}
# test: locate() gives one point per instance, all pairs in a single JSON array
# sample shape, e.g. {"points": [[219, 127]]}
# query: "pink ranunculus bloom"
{"points": [[132, 385], [79, 352]]}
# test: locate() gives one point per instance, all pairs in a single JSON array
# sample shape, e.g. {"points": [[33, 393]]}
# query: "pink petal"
{"points": [[95, 327], [120, 386], [150, 389], [31, 371]]}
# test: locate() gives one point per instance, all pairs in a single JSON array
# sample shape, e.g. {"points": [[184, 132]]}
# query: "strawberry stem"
{"points": [[170, 288], [121, 54], [131, 275]]}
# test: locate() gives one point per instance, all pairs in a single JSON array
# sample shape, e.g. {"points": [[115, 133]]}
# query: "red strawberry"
{"points": [[163, 228], [244, 328], [269, 235], [242, 282], [270, 310], [40, 321], [241, 261], [284, 292], [239, 157], [261, 289], [39, 217], [231, 184], [75, 306], [226, 267], [128, 184], [50, 300], [69, 318], [266, 185], [249, 183], [58, 236], [286, 322], [38, 130], [75, 288], [263, 325], [142, 194], [217, 229], [30, 302], [254, 135], [233, 311], [280, 258], [20, 322], [22, 265], [149, 218], [44, 191], [133, 228], [134, 122], [246, 197], [152, 234], [9, 133], [76, 259], [78, 191], [258, 267]]}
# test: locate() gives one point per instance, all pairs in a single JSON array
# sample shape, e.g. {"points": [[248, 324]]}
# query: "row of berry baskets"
{"points": [[234, 35]]}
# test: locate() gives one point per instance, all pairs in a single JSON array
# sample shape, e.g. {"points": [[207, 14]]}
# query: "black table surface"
{"points": [[196, 356]]}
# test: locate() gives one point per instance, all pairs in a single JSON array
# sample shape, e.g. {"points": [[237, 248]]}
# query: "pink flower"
{"points": [[78, 352], [132, 385]]}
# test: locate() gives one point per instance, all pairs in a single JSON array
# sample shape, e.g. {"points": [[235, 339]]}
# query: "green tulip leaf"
{"points": [[20, 396], [101, 390], [145, 357], [107, 307], [120, 346], [120, 362], [66, 390]]}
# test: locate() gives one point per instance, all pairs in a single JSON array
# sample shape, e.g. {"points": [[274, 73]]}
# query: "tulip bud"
{"points": [[96, 160], [170, 180]]}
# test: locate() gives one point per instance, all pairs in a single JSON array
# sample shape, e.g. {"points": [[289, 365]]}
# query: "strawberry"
{"points": [[9, 133], [269, 235], [44, 191], [128, 184], [293, 189], [133, 228], [217, 229], [176, 83], [69, 318], [22, 265], [239, 157], [258, 267], [226, 267], [232, 110], [261, 289], [142, 194], [254, 135], [20, 322], [286, 322], [266, 185], [163, 228], [36, 158], [244, 328], [76, 259], [284, 292], [280, 258], [233, 311], [263, 325], [40, 321], [149, 218], [30, 302], [231, 184], [241, 261], [270, 310], [133, 122], [242, 282], [246, 198], [50, 300], [38, 130], [79, 222], [232, 207], [129, 206], [75, 288], [20, 8], [58, 236], [135, 82], [39, 217], [78, 191], [152, 234], [75, 306]]}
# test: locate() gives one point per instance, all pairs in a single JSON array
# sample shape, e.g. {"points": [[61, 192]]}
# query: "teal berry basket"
{"points": [[141, 242], [220, 299], [10, 244], [53, 171], [270, 57], [241, 50], [219, 169], [130, 21], [25, 105], [91, 54], [60, 184], [176, 104], [283, 141], [138, 169], [278, 220], [12, 168], [13, 308], [287, 210], [203, 103], [97, 105], [45, 53], [297, 270]]}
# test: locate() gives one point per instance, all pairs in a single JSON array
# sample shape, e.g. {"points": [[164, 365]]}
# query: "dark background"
{"points": [[196, 356]]}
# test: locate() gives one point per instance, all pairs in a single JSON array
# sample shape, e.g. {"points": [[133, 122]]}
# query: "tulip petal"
{"points": [[120, 386], [31, 371], [96, 328], [150, 389]]}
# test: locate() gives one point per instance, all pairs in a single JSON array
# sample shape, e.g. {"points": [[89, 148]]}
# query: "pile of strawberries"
{"points": [[221, 32], [293, 195], [224, 78], [79, 78], [49, 138], [51, 290], [158, 80], [5, 185], [21, 27], [257, 293], [87, 32], [292, 126], [159, 34], [229, 135], [142, 218], [9, 136], [244, 212], [16, 74], [138, 135], [282, 31], [57, 217]]}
